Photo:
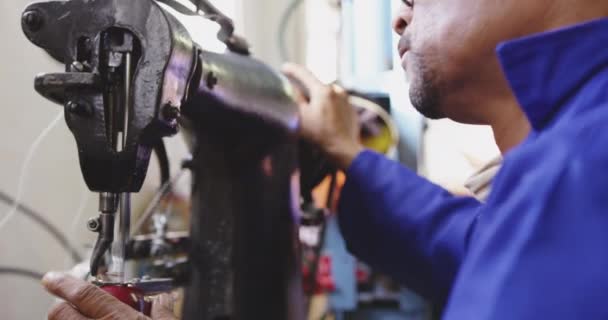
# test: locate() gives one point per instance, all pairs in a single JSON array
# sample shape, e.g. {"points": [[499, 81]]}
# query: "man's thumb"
{"points": [[162, 308]]}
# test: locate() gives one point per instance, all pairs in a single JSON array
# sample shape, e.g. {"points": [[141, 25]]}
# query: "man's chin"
{"points": [[431, 114], [425, 100]]}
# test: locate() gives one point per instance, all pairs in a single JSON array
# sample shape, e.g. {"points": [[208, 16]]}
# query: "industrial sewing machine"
{"points": [[133, 76]]}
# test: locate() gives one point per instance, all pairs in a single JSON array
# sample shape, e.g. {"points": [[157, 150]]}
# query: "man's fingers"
{"points": [[338, 89], [162, 308], [301, 95], [87, 298], [64, 311], [302, 75]]}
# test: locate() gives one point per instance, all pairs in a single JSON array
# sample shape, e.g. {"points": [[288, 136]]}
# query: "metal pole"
{"points": [[124, 227]]}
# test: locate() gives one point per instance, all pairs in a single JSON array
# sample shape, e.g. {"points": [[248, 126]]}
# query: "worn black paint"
{"points": [[244, 252], [244, 243]]}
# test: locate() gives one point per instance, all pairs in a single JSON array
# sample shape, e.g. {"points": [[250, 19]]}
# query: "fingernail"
{"points": [[51, 277]]}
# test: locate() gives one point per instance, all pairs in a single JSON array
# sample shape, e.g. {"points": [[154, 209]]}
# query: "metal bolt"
{"points": [[77, 66], [88, 44], [211, 80], [93, 224], [170, 112], [80, 109], [33, 20], [188, 164], [72, 106]]}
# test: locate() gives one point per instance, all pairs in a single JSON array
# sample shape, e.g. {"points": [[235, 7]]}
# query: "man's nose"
{"points": [[402, 19]]}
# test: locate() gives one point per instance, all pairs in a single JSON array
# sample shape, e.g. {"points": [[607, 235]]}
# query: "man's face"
{"points": [[448, 50]]}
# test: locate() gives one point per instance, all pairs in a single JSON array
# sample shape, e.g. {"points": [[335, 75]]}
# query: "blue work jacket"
{"points": [[538, 249]]}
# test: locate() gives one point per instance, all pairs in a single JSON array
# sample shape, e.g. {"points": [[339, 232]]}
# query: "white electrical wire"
{"points": [[25, 168], [84, 200]]}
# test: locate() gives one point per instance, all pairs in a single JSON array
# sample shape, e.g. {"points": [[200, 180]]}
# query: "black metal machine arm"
{"points": [[100, 42], [132, 71]]}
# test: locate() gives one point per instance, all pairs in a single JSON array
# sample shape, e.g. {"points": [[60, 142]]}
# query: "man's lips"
{"points": [[403, 54], [403, 51], [404, 46]]}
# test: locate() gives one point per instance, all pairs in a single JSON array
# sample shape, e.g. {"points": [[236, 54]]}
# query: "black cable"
{"points": [[233, 42], [21, 273], [282, 35], [163, 161], [45, 224]]}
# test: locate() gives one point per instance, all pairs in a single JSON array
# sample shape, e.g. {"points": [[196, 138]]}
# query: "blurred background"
{"points": [[348, 41]]}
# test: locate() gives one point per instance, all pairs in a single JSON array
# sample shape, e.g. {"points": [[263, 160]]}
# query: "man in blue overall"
{"points": [[537, 248], [537, 72]]}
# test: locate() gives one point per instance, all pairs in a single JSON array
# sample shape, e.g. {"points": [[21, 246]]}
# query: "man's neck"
{"points": [[510, 127], [501, 111], [564, 13]]}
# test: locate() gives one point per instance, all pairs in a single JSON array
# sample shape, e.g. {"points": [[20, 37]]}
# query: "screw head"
{"points": [[188, 164], [72, 106], [170, 112], [88, 44], [33, 20], [211, 80], [77, 66], [79, 108], [93, 224]]}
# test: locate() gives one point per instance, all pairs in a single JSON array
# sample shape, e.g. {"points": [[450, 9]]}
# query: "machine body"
{"points": [[133, 75]]}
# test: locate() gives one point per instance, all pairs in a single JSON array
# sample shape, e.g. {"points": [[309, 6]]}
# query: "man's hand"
{"points": [[328, 120], [84, 301]]}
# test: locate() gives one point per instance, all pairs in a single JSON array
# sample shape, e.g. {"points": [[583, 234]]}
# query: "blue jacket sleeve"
{"points": [[403, 225]]}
